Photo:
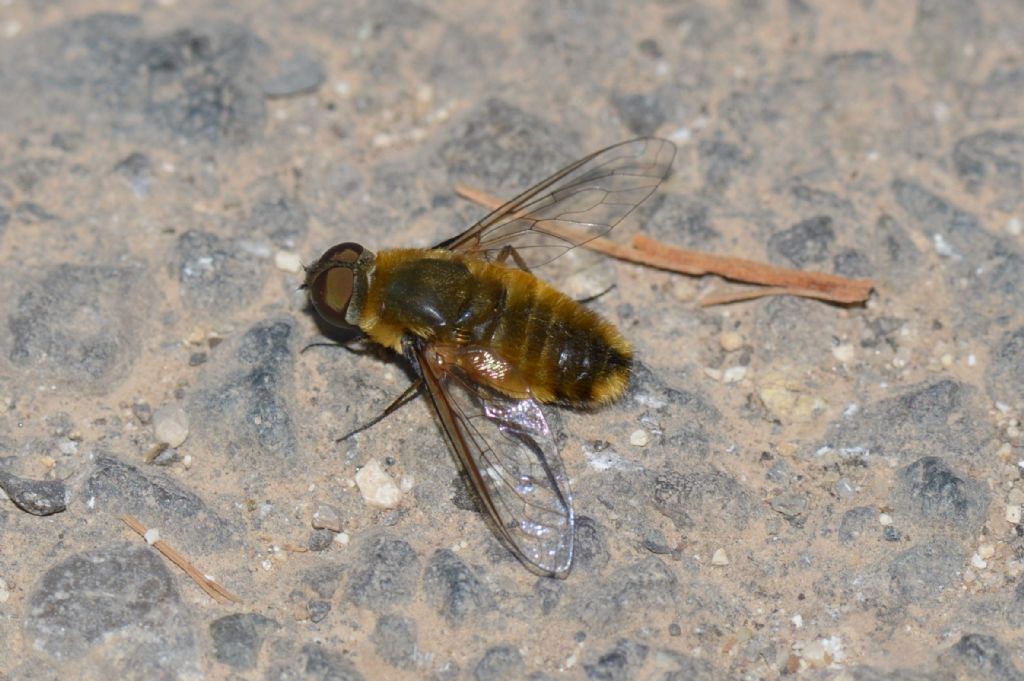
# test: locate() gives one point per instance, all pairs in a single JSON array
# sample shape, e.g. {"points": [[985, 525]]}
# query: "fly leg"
{"points": [[509, 251], [411, 392]]}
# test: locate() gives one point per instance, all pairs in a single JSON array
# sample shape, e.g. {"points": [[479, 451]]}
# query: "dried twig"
{"points": [[212, 588], [647, 251]]}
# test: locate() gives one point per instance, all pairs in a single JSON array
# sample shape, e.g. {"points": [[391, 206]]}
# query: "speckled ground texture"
{"points": [[789, 489]]}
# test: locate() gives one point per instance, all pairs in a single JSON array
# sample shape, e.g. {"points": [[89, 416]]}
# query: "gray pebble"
{"points": [[924, 572], [215, 272], [808, 242], [395, 640], [385, 576], [980, 656], [116, 487], [639, 587], [923, 420], [38, 497], [300, 74], [503, 147], [621, 662], [499, 663], [1005, 373], [241, 407], [856, 523], [708, 498], [789, 505], [320, 540], [76, 325], [453, 588], [237, 639], [934, 494], [120, 591]]}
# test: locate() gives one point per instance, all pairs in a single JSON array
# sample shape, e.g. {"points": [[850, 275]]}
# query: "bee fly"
{"points": [[492, 342]]}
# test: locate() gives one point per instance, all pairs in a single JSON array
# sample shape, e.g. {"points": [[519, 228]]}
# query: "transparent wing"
{"points": [[508, 452], [578, 203]]}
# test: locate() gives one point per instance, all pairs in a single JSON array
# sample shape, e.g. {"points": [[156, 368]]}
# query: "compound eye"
{"points": [[342, 254], [331, 282]]}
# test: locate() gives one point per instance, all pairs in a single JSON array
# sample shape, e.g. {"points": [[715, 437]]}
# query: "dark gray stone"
{"points": [[808, 242], [548, 593], [116, 487], [504, 148], [385, 576], [453, 588], [38, 497], [935, 215], [320, 540], [194, 84], [242, 407], [720, 161], [895, 251], [852, 263], [646, 586], [927, 419], [924, 572], [499, 663], [991, 159], [275, 214], [318, 610], [980, 656], [642, 114], [137, 171], [395, 640], [678, 220], [591, 549], [313, 662], [706, 499], [216, 273], [856, 523], [692, 417], [1005, 372], [690, 668], [860, 673], [114, 609], [932, 493], [621, 663], [945, 33], [300, 74], [237, 638], [77, 326], [1000, 96]]}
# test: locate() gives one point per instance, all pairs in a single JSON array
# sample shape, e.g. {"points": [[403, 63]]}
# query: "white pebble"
{"points": [[152, 536], [288, 261], [734, 374], [639, 438], [730, 341], [1013, 514], [843, 353], [720, 558], [978, 562], [342, 538], [377, 487], [884, 519], [1014, 226], [170, 425]]}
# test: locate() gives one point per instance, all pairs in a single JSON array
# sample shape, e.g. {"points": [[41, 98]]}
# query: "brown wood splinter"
{"points": [[212, 588], [647, 251]]}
